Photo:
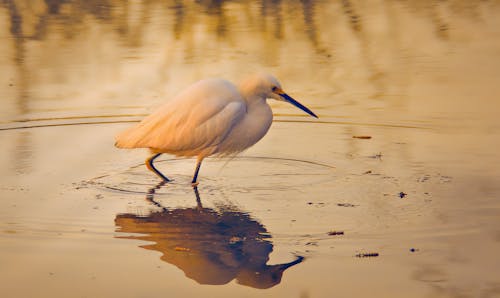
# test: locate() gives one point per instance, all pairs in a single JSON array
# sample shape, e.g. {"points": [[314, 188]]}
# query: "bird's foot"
{"points": [[194, 184]]}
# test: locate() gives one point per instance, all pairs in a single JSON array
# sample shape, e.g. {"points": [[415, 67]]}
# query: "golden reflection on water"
{"points": [[382, 68], [210, 246], [87, 55]]}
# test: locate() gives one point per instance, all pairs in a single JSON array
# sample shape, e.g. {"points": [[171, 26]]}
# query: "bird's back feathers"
{"points": [[193, 123]]}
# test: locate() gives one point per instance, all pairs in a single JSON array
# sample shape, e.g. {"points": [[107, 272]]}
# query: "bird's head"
{"points": [[267, 86]]}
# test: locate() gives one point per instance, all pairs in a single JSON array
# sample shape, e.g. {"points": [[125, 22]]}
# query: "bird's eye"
{"points": [[274, 88]]}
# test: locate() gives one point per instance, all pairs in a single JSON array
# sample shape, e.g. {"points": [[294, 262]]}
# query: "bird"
{"points": [[212, 117]]}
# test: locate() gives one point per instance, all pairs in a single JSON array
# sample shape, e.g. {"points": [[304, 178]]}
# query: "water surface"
{"points": [[79, 217]]}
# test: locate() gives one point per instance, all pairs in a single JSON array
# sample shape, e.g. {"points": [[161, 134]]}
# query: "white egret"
{"points": [[211, 117]]}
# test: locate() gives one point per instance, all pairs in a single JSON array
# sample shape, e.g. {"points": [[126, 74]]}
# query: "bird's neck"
{"points": [[251, 93]]}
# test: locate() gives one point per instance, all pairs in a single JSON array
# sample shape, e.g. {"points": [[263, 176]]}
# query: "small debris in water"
{"points": [[402, 195], [424, 178], [445, 179], [178, 248], [376, 156], [367, 172], [367, 255], [414, 249], [362, 137], [335, 233], [346, 205], [318, 203]]}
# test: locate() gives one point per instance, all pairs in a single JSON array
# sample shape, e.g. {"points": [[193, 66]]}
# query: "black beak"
{"points": [[297, 104]]}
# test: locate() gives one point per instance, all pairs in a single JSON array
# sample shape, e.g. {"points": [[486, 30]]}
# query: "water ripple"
{"points": [[137, 179], [133, 118]]}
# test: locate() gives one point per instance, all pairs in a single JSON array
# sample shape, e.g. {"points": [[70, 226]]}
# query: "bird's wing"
{"points": [[199, 119], [201, 130]]}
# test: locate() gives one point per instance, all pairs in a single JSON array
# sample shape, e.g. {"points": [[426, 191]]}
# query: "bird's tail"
{"points": [[130, 138]]}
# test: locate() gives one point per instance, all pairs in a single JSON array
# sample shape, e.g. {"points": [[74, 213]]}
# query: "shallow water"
{"points": [[80, 218]]}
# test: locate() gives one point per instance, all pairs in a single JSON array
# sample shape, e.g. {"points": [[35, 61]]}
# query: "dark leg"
{"points": [[195, 177], [198, 199], [151, 167], [151, 194]]}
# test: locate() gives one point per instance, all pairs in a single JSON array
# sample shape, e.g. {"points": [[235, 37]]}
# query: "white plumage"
{"points": [[211, 117]]}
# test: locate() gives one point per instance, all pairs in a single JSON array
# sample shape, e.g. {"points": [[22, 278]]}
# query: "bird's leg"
{"points": [[151, 195], [198, 199], [195, 177], [151, 167]]}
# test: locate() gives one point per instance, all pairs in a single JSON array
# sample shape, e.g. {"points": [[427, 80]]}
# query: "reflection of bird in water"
{"points": [[211, 117], [210, 246]]}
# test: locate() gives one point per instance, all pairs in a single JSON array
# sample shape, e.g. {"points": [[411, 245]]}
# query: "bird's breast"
{"points": [[249, 130]]}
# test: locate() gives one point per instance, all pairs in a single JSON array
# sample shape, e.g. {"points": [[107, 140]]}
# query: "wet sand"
{"points": [[311, 210]]}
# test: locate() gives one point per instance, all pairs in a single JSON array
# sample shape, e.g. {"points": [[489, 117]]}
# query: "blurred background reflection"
{"points": [[121, 57]]}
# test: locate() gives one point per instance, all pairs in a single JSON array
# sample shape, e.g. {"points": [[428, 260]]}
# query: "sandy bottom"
{"points": [[347, 217]]}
